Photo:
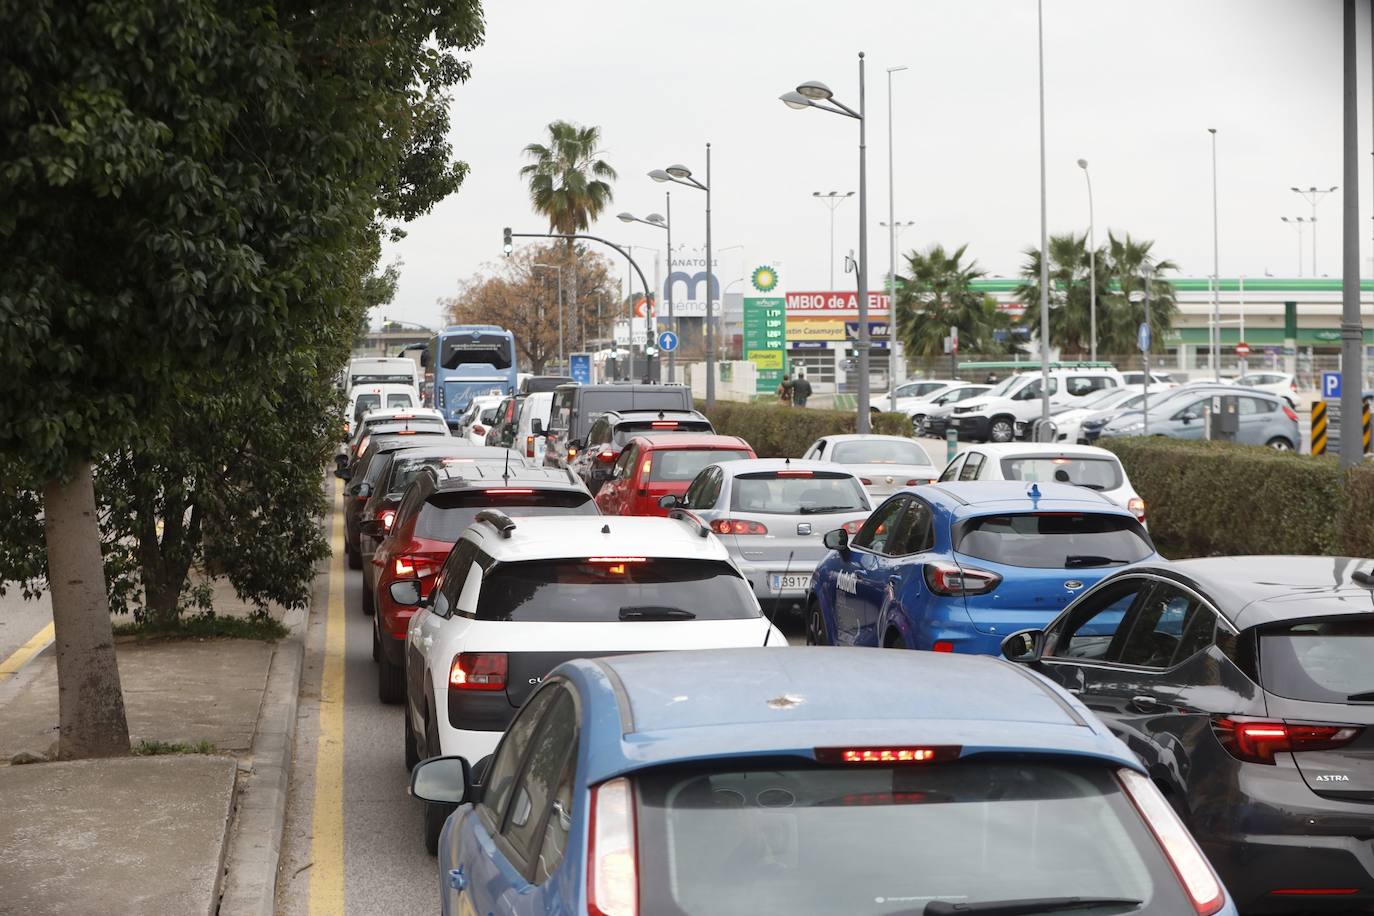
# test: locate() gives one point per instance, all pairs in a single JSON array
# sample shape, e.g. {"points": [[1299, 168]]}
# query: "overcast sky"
{"points": [[1131, 87]]}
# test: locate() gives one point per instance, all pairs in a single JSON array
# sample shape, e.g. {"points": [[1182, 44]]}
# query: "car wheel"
{"points": [[369, 600], [391, 679], [435, 814], [412, 752], [355, 559], [1280, 444], [918, 424], [1001, 430], [815, 625]]}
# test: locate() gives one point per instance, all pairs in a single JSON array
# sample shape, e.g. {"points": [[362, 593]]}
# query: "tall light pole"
{"points": [[1215, 336], [1298, 224], [832, 200], [1352, 326], [1044, 239], [562, 365], [1092, 264], [814, 94], [682, 175], [892, 348], [1313, 195], [661, 222]]}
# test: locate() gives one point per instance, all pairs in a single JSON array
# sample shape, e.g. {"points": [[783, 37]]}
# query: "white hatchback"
{"points": [[1082, 465]]}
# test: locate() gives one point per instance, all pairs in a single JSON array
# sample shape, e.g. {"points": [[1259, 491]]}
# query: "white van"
{"points": [[382, 370], [537, 406], [992, 416]]}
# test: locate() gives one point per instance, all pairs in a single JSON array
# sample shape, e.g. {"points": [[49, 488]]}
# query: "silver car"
{"points": [[770, 513], [1262, 418], [885, 464]]}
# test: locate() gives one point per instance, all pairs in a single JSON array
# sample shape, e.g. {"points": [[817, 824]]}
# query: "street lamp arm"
{"points": [[592, 238], [688, 182], [840, 108]]}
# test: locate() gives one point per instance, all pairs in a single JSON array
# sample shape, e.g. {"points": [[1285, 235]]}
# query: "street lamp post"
{"points": [[562, 364], [832, 200], [682, 175], [895, 354], [1298, 224], [813, 94], [659, 221], [1044, 237], [1092, 264], [1313, 195], [1216, 269], [1147, 271], [650, 304]]}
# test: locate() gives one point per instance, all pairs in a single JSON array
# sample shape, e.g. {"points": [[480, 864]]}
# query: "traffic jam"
{"points": [[640, 667]]}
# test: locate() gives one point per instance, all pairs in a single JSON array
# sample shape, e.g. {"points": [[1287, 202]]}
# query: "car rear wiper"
{"points": [[817, 510], [1019, 907], [1087, 559], [655, 612], [1366, 697]]}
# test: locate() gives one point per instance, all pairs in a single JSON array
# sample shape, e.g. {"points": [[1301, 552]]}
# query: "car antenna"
{"points": [[785, 569], [505, 474], [605, 529]]}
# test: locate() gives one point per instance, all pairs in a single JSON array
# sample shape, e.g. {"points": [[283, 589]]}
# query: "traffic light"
{"points": [[506, 245]]}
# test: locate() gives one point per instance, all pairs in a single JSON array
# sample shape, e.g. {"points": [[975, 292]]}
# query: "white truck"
{"points": [[382, 370]]}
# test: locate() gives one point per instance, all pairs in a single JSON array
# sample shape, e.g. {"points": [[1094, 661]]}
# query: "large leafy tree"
{"points": [[936, 294], [184, 186]]}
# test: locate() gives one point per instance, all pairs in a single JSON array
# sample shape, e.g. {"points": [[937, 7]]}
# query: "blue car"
{"points": [[741, 782], [957, 566]]}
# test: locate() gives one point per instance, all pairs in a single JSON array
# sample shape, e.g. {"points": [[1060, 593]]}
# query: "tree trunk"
{"points": [[90, 700]]}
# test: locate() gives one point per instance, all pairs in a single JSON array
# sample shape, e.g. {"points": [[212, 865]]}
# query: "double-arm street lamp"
{"points": [[895, 365], [814, 94], [832, 201], [665, 223], [1313, 195], [680, 174], [1298, 224], [562, 365]]}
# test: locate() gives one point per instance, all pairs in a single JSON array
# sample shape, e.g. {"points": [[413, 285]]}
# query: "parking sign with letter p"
{"points": [[1331, 385]]}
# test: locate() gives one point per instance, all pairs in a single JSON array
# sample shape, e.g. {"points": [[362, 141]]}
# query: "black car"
{"points": [[1246, 686], [537, 383], [611, 431], [576, 407], [361, 480]]}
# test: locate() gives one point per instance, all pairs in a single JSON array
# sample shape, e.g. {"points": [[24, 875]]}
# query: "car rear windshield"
{"points": [[806, 493], [1054, 540], [428, 424], [684, 464], [610, 589], [717, 840], [1093, 473], [399, 399], [366, 402], [1323, 661], [446, 515], [383, 378], [879, 451], [595, 403], [630, 428]]}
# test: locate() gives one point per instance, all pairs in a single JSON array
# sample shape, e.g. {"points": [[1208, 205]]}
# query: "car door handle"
{"points": [[456, 879]]}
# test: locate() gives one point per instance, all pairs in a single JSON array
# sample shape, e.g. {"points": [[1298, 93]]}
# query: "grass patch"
{"points": [[204, 626], [146, 748]]}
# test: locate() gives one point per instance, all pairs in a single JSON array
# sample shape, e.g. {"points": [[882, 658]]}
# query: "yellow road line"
{"points": [[327, 827], [25, 652]]}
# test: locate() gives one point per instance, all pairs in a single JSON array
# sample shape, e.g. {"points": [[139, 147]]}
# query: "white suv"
{"points": [[517, 597], [993, 416]]}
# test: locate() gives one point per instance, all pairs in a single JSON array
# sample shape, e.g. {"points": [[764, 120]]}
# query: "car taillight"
{"points": [[865, 481], [1136, 506], [572, 453], [1193, 872], [942, 645], [854, 526], [606, 455], [899, 754], [612, 856], [479, 430], [388, 518], [917, 481], [529, 446], [949, 579], [737, 526], [478, 671], [645, 467], [795, 473], [417, 567], [1258, 742], [1290, 413]]}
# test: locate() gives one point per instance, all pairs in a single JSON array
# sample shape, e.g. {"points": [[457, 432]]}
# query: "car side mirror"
{"points": [[836, 540], [671, 501], [536, 427], [1024, 646], [344, 472], [441, 780], [1188, 417], [406, 592], [364, 489]]}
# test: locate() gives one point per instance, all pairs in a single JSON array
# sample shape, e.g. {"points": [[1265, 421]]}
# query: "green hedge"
{"points": [[1219, 498], [786, 432]]}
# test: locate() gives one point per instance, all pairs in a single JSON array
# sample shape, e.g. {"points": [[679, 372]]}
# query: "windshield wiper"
{"points": [[1087, 559], [817, 510], [655, 612], [1021, 907], [1365, 697]]}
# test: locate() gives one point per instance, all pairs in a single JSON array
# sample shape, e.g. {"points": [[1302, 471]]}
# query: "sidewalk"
{"points": [[150, 834]]}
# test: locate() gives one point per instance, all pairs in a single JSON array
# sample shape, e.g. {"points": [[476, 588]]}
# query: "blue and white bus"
{"points": [[466, 360]]}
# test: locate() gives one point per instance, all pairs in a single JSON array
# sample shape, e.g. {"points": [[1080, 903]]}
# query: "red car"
{"points": [[656, 465]]}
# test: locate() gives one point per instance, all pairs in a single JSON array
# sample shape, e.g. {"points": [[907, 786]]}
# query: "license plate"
{"points": [[791, 582]]}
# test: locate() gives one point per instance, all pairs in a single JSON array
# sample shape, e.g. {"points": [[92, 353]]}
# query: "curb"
{"points": [[254, 848]]}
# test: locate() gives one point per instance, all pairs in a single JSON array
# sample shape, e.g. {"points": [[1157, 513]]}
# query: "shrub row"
{"points": [[1219, 498], [776, 431]]}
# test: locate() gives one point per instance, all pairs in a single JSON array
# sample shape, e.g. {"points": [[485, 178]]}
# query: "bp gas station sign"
{"points": [[765, 326]]}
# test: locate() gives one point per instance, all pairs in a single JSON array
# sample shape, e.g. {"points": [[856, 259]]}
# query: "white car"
{"points": [[1279, 383], [364, 398], [884, 464], [517, 597], [993, 417], [537, 406], [1082, 465], [1068, 421], [478, 418], [908, 393], [921, 408]]}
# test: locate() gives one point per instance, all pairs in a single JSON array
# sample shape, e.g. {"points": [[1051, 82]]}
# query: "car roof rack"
{"points": [[683, 515], [498, 520]]}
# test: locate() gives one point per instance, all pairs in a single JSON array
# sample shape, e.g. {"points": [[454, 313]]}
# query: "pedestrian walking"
{"points": [[785, 389], [801, 390]]}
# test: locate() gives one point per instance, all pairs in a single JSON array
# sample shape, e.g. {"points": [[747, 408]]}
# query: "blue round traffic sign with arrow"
{"points": [[667, 341]]}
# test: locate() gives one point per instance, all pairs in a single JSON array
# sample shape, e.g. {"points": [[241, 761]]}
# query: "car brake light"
{"points": [[1136, 506], [606, 455], [612, 857], [388, 518], [950, 579], [616, 559], [1188, 863], [917, 481], [664, 424], [418, 567], [737, 526], [645, 466], [942, 645], [362, 446], [930, 754], [863, 480], [1290, 413], [854, 526], [509, 491], [1258, 742], [529, 446], [479, 430], [1314, 891], [795, 473], [572, 453], [478, 671]]}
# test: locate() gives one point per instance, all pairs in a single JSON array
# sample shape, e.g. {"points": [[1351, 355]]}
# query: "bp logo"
{"points": [[765, 279]]}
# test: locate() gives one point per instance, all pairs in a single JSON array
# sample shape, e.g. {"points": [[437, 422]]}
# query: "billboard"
{"points": [[687, 282], [765, 325], [834, 304]]}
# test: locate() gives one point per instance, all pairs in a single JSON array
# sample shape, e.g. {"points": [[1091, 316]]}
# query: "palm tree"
{"points": [[1070, 293], [937, 294], [1124, 258], [568, 181]]}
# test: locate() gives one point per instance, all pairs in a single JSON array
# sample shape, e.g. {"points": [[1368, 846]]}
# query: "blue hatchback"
{"points": [[956, 567], [809, 781]]}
